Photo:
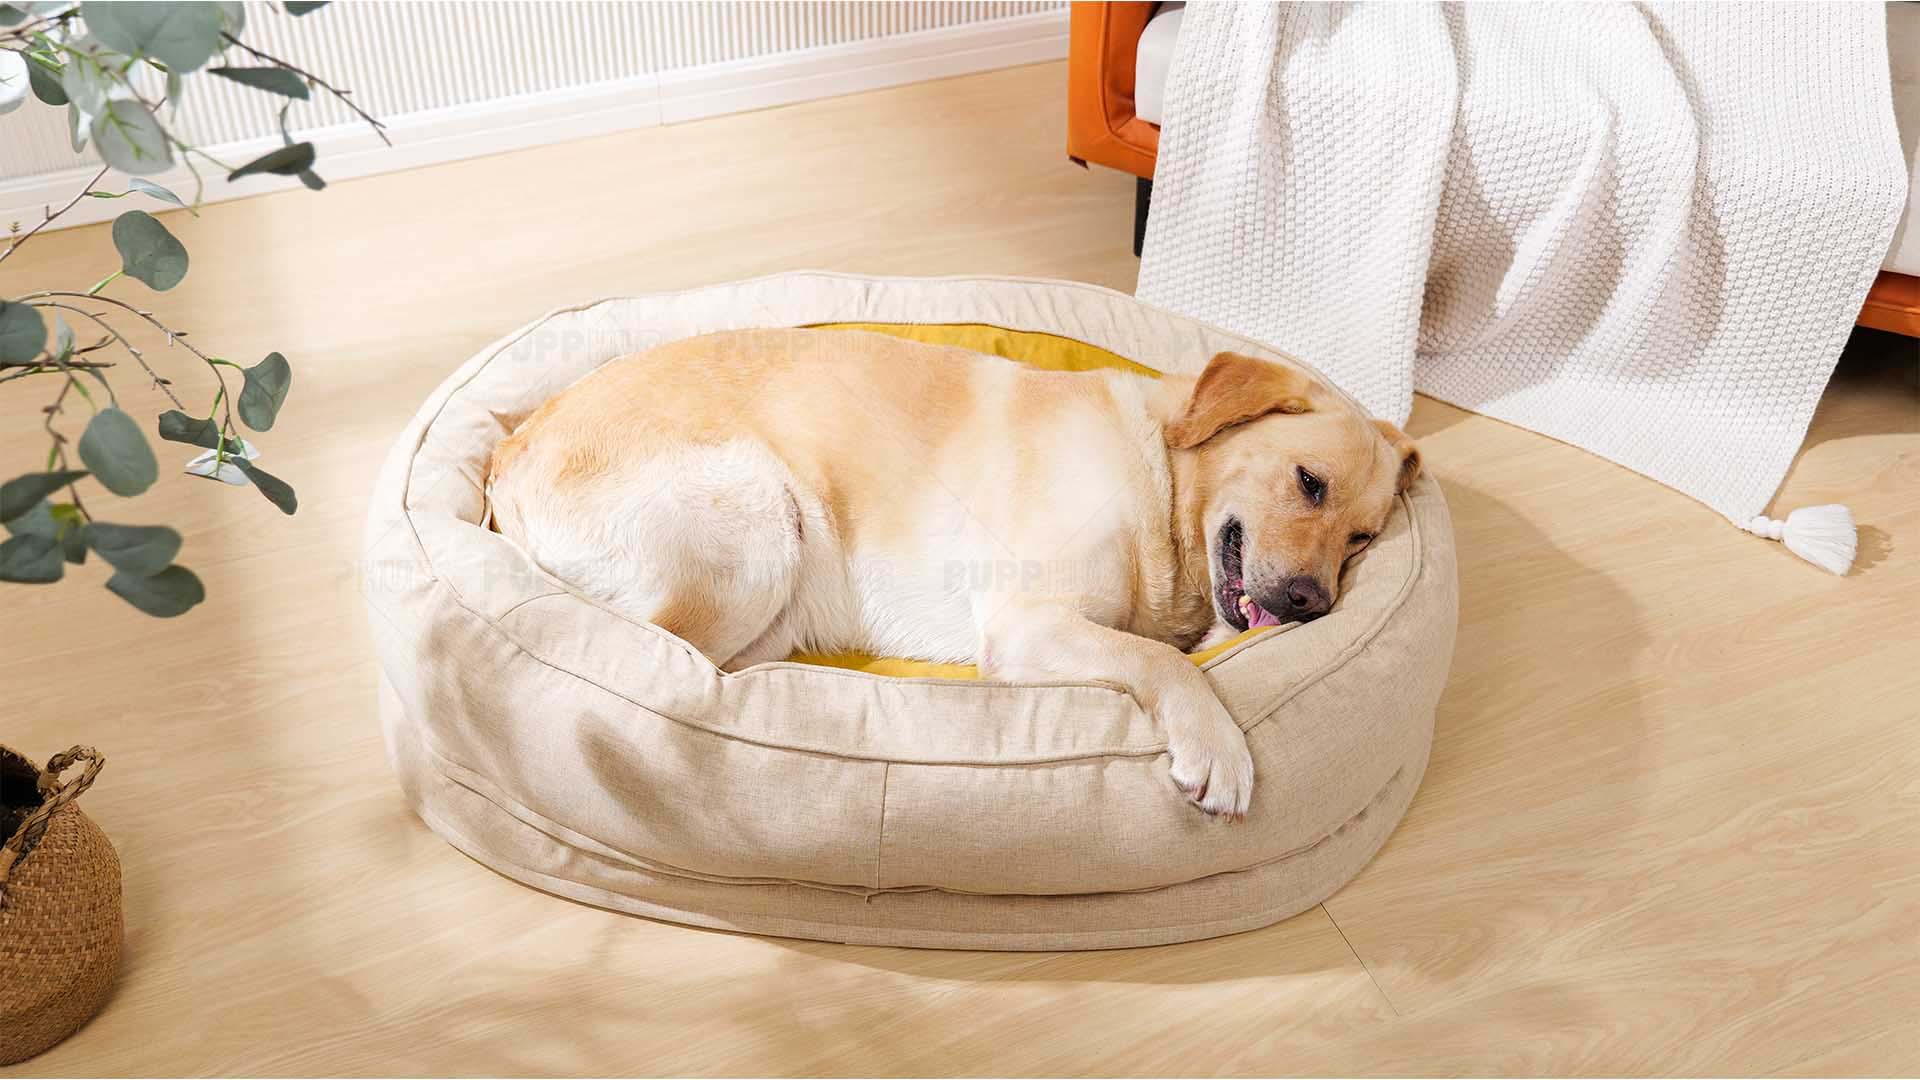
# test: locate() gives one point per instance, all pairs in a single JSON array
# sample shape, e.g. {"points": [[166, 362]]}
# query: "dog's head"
{"points": [[1289, 481]]}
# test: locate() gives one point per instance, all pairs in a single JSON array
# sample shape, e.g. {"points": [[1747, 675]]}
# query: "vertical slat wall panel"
{"points": [[402, 58]]}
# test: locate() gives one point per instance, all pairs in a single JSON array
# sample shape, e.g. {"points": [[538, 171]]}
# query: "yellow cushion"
{"points": [[1048, 351]]}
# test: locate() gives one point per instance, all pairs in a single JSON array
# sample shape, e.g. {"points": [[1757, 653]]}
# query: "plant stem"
{"points": [[15, 246], [104, 282], [378, 127], [132, 350], [36, 367], [174, 337]]}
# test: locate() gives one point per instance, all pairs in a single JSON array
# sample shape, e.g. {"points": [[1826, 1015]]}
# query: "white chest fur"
{"points": [[1064, 510]]}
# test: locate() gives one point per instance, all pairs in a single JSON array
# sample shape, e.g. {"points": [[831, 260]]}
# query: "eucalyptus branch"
{"points": [[165, 385], [59, 440], [40, 368], [71, 203], [187, 153], [35, 25], [68, 368], [174, 337], [117, 117], [58, 452], [54, 408], [37, 366], [378, 127]]}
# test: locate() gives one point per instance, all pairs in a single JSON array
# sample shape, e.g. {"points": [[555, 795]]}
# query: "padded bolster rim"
{"points": [[455, 773]]}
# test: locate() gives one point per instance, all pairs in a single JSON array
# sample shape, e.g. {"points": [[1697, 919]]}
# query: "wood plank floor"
{"points": [[1672, 822]]}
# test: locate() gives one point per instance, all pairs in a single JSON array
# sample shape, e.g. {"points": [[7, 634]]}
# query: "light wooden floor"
{"points": [[1672, 822]]}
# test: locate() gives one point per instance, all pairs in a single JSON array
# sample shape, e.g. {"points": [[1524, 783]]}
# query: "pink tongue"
{"points": [[1258, 616]]}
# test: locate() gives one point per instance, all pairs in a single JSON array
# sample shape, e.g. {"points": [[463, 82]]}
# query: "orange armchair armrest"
{"points": [[1101, 125]]}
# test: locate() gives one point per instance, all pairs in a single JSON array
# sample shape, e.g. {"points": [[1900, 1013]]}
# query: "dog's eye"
{"points": [[1359, 538], [1314, 487]]}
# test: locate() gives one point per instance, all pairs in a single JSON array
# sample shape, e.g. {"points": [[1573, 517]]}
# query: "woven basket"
{"points": [[60, 924]]}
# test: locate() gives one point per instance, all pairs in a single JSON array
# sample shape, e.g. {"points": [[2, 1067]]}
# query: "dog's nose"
{"points": [[1306, 598]]}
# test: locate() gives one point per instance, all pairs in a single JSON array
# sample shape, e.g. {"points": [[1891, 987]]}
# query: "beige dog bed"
{"points": [[607, 761]]}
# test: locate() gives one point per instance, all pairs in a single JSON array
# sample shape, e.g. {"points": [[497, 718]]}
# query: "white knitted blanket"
{"points": [[1644, 229]]}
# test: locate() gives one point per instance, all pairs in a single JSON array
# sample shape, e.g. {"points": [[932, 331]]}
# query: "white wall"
{"points": [[456, 79]]}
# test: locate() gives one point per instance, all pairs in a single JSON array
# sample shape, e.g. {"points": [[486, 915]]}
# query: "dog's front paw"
{"points": [[1211, 762]]}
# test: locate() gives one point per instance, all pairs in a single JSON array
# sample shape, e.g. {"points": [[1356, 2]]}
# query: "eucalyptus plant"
{"points": [[121, 70]]}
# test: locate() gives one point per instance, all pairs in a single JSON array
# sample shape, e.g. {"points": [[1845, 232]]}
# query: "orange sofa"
{"points": [[1103, 130]]}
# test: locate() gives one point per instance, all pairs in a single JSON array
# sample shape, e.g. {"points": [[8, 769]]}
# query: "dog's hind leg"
{"points": [[728, 546], [704, 541]]}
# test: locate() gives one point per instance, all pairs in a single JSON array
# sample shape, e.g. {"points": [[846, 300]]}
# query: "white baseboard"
{"points": [[491, 127]]}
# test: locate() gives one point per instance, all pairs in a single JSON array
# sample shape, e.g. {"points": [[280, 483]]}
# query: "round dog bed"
{"points": [[858, 800]]}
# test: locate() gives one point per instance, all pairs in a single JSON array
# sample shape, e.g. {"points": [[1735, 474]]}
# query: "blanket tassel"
{"points": [[1822, 535]]}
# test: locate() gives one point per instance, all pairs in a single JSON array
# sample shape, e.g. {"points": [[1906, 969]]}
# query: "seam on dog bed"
{"points": [[574, 839], [1133, 937], [518, 604], [455, 773], [1149, 750], [880, 831]]}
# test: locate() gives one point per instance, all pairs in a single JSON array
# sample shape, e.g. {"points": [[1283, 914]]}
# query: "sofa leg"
{"points": [[1142, 199]]}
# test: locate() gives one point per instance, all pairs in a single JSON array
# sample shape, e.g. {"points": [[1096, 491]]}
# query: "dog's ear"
{"points": [[1235, 389], [1403, 446]]}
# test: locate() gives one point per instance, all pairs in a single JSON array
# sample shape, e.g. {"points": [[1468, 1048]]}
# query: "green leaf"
{"points": [[31, 559], [264, 392], [301, 7], [277, 491], [15, 82], [312, 180], [130, 139], [148, 251], [45, 78], [148, 187], [79, 128], [181, 35], [37, 521], [62, 339], [165, 594], [73, 532], [73, 544], [143, 550], [23, 333], [22, 493], [286, 161], [61, 522], [233, 15], [11, 16], [176, 426], [116, 451], [274, 80]]}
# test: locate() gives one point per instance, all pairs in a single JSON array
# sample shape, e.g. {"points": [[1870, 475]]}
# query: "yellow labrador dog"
{"points": [[762, 492]]}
